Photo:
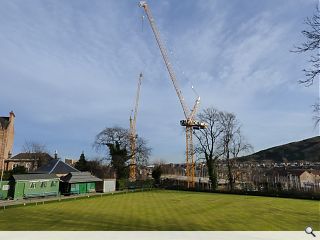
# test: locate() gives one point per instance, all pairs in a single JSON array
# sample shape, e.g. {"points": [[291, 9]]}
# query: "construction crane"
{"points": [[189, 123], [133, 137]]}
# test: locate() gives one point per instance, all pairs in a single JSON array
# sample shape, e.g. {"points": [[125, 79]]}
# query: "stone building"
{"points": [[6, 137], [31, 161], [71, 162]]}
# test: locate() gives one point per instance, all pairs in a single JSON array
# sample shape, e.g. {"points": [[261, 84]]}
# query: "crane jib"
{"points": [[190, 124], [166, 59]]}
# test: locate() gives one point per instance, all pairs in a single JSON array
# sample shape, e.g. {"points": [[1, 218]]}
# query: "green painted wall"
{"points": [[36, 188], [4, 189], [74, 188], [81, 188], [91, 187], [18, 190]]}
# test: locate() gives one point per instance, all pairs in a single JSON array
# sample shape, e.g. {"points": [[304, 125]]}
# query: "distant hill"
{"points": [[305, 150]]}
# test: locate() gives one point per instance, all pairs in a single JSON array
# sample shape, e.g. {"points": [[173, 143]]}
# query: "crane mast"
{"points": [[133, 121], [189, 121]]}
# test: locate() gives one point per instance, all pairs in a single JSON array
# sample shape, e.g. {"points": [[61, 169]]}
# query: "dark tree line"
{"points": [[94, 166]]}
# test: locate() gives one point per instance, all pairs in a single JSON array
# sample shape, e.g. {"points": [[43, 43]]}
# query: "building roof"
{"points": [[80, 177], [315, 172], [28, 155], [57, 166], [21, 177], [4, 122], [285, 172], [297, 172]]}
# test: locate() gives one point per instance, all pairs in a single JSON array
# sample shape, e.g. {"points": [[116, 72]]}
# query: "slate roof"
{"points": [[56, 166], [315, 172], [26, 155], [4, 122], [80, 177], [285, 172], [19, 177]]}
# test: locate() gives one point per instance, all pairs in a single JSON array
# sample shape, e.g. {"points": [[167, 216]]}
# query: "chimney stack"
{"points": [[12, 115]]}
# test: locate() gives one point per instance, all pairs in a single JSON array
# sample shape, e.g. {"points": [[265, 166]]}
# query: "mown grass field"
{"points": [[165, 210]]}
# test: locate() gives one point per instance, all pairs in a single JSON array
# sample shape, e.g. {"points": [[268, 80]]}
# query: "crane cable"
{"points": [[142, 22]]}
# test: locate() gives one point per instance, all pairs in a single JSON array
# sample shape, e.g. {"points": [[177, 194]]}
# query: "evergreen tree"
{"points": [[116, 141], [82, 165], [19, 170], [156, 174], [119, 158]]}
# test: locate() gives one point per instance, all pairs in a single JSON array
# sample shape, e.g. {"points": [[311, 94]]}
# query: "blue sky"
{"points": [[70, 68]]}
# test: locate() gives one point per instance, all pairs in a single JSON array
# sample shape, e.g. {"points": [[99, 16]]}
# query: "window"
{"points": [[33, 185], [54, 183], [43, 184]]}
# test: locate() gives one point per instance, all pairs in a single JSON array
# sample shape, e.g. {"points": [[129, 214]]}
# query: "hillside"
{"points": [[305, 150]]}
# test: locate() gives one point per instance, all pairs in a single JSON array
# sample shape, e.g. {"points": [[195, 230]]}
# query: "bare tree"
{"points": [[239, 145], [220, 140], [37, 151], [316, 110], [232, 143], [208, 142], [100, 170], [312, 44], [34, 147], [116, 143]]}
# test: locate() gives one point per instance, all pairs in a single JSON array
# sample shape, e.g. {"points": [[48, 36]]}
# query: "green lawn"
{"points": [[165, 210]]}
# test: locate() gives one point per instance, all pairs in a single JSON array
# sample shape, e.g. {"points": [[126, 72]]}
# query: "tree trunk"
{"points": [[212, 171], [230, 176]]}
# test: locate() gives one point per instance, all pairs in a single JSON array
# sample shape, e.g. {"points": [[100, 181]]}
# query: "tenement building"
{"points": [[6, 137]]}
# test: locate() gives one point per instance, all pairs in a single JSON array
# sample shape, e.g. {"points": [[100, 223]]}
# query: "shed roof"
{"points": [[56, 166], [21, 177], [80, 177]]}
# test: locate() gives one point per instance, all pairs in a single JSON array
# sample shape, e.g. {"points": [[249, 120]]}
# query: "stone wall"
{"points": [[6, 139]]}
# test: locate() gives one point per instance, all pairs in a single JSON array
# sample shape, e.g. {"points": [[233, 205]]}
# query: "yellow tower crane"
{"points": [[189, 123], [133, 135]]}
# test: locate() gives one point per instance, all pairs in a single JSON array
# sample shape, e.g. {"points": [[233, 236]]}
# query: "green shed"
{"points": [[33, 185], [78, 183]]}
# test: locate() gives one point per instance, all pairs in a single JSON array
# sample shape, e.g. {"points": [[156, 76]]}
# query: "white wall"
{"points": [[109, 185]]}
